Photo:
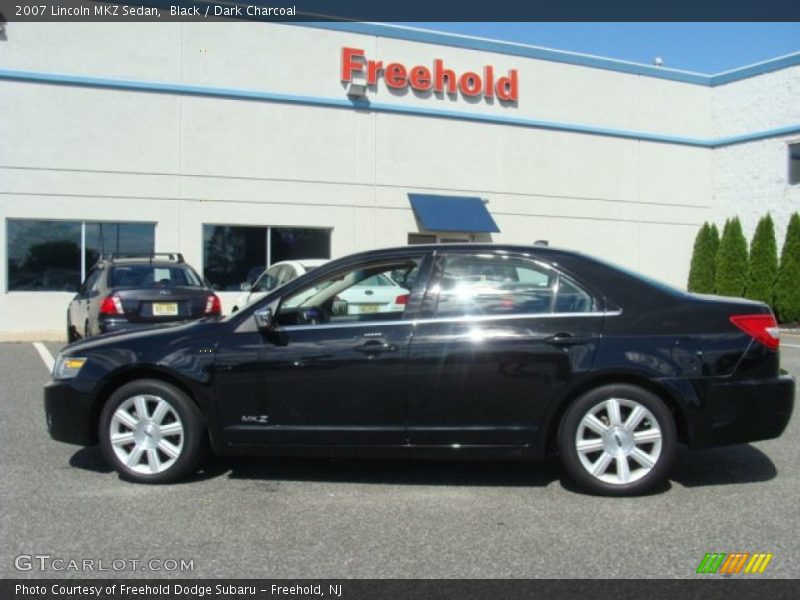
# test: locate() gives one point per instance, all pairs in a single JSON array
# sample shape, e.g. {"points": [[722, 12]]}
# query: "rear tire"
{"points": [[151, 432], [618, 440]]}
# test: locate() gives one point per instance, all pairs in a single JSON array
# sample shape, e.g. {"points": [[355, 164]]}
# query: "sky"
{"points": [[707, 48]]}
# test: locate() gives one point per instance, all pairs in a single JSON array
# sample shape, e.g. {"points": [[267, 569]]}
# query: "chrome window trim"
{"points": [[463, 319]]}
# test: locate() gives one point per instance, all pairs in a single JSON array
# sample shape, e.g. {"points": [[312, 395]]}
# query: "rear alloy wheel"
{"points": [[618, 440], [151, 432]]}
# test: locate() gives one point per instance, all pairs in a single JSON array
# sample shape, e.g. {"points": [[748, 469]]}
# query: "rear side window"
{"points": [[91, 281], [488, 284], [152, 276]]}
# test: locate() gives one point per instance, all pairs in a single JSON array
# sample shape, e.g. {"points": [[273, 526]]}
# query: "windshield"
{"points": [[153, 276]]}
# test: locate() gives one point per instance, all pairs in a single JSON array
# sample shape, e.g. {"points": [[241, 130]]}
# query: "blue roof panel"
{"points": [[452, 213]]}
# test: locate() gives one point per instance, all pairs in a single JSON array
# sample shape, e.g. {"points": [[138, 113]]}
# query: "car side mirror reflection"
{"points": [[265, 320], [246, 286]]}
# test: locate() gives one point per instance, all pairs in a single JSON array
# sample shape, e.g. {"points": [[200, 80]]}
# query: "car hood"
{"points": [[157, 335]]}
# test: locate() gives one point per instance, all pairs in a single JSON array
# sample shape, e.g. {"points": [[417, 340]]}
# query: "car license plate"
{"points": [[368, 308], [165, 309]]}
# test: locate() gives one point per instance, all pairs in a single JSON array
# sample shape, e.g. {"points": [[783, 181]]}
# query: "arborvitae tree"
{"points": [[701, 272], [714, 243], [731, 275], [787, 290], [763, 266]]}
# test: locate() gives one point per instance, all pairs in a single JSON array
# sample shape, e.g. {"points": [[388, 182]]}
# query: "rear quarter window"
{"points": [[505, 285]]}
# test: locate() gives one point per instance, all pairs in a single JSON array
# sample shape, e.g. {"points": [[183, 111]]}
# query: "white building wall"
{"points": [[751, 179], [184, 161]]}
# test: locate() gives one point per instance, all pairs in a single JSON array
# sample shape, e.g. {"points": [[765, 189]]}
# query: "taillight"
{"points": [[402, 299], [213, 305], [111, 305], [764, 328]]}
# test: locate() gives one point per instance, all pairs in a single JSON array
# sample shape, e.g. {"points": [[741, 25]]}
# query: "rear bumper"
{"points": [[114, 325], [735, 412], [69, 414]]}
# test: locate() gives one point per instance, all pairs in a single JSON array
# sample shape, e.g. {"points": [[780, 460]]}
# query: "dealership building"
{"points": [[244, 143]]}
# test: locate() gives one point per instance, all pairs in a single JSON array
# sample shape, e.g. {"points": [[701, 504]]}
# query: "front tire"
{"points": [[151, 432], [618, 440]]}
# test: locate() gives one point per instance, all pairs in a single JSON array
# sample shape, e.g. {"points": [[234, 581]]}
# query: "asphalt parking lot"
{"points": [[278, 518]]}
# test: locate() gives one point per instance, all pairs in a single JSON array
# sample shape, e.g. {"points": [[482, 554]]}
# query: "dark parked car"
{"points": [[496, 351], [133, 292]]}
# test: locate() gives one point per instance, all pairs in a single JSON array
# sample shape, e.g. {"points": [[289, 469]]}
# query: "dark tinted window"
{"points": [[44, 255], [152, 276], [487, 284], [295, 243], [234, 255], [794, 164], [118, 238], [47, 255]]}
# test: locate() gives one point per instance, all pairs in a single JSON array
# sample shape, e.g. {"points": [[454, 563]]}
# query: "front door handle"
{"points": [[564, 338], [374, 347]]}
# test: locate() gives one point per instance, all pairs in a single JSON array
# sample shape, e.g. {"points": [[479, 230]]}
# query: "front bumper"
{"points": [[69, 413], [735, 412]]}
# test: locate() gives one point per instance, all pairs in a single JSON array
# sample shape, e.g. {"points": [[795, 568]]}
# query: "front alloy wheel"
{"points": [[618, 440], [151, 432]]}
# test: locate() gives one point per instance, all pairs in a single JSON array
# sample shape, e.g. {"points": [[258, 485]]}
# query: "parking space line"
{"points": [[790, 345], [47, 358]]}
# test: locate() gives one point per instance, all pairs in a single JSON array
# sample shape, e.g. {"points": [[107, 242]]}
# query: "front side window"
{"points": [[268, 280], [489, 284], [370, 292]]}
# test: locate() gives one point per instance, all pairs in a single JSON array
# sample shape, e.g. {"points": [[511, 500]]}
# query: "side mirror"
{"points": [[246, 286], [265, 320]]}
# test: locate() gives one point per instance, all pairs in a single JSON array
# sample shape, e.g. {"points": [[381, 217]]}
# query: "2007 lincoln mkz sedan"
{"points": [[490, 350]]}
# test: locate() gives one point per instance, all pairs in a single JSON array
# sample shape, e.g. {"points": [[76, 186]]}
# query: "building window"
{"points": [[441, 238], [233, 255], [421, 238], [117, 238], [794, 164], [54, 256]]}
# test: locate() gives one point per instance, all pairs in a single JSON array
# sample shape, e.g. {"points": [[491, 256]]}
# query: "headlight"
{"points": [[67, 367]]}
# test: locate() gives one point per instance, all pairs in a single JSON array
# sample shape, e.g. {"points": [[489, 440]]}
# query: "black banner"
{"points": [[428, 589], [405, 10]]}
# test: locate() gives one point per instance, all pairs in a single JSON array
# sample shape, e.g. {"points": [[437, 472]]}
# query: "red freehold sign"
{"points": [[438, 78]]}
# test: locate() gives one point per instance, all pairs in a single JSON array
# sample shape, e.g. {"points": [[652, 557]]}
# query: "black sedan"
{"points": [[133, 292], [491, 351]]}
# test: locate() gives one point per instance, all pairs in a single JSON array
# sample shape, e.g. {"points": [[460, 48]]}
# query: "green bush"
{"points": [[703, 267], [763, 266], [787, 290], [731, 275]]}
